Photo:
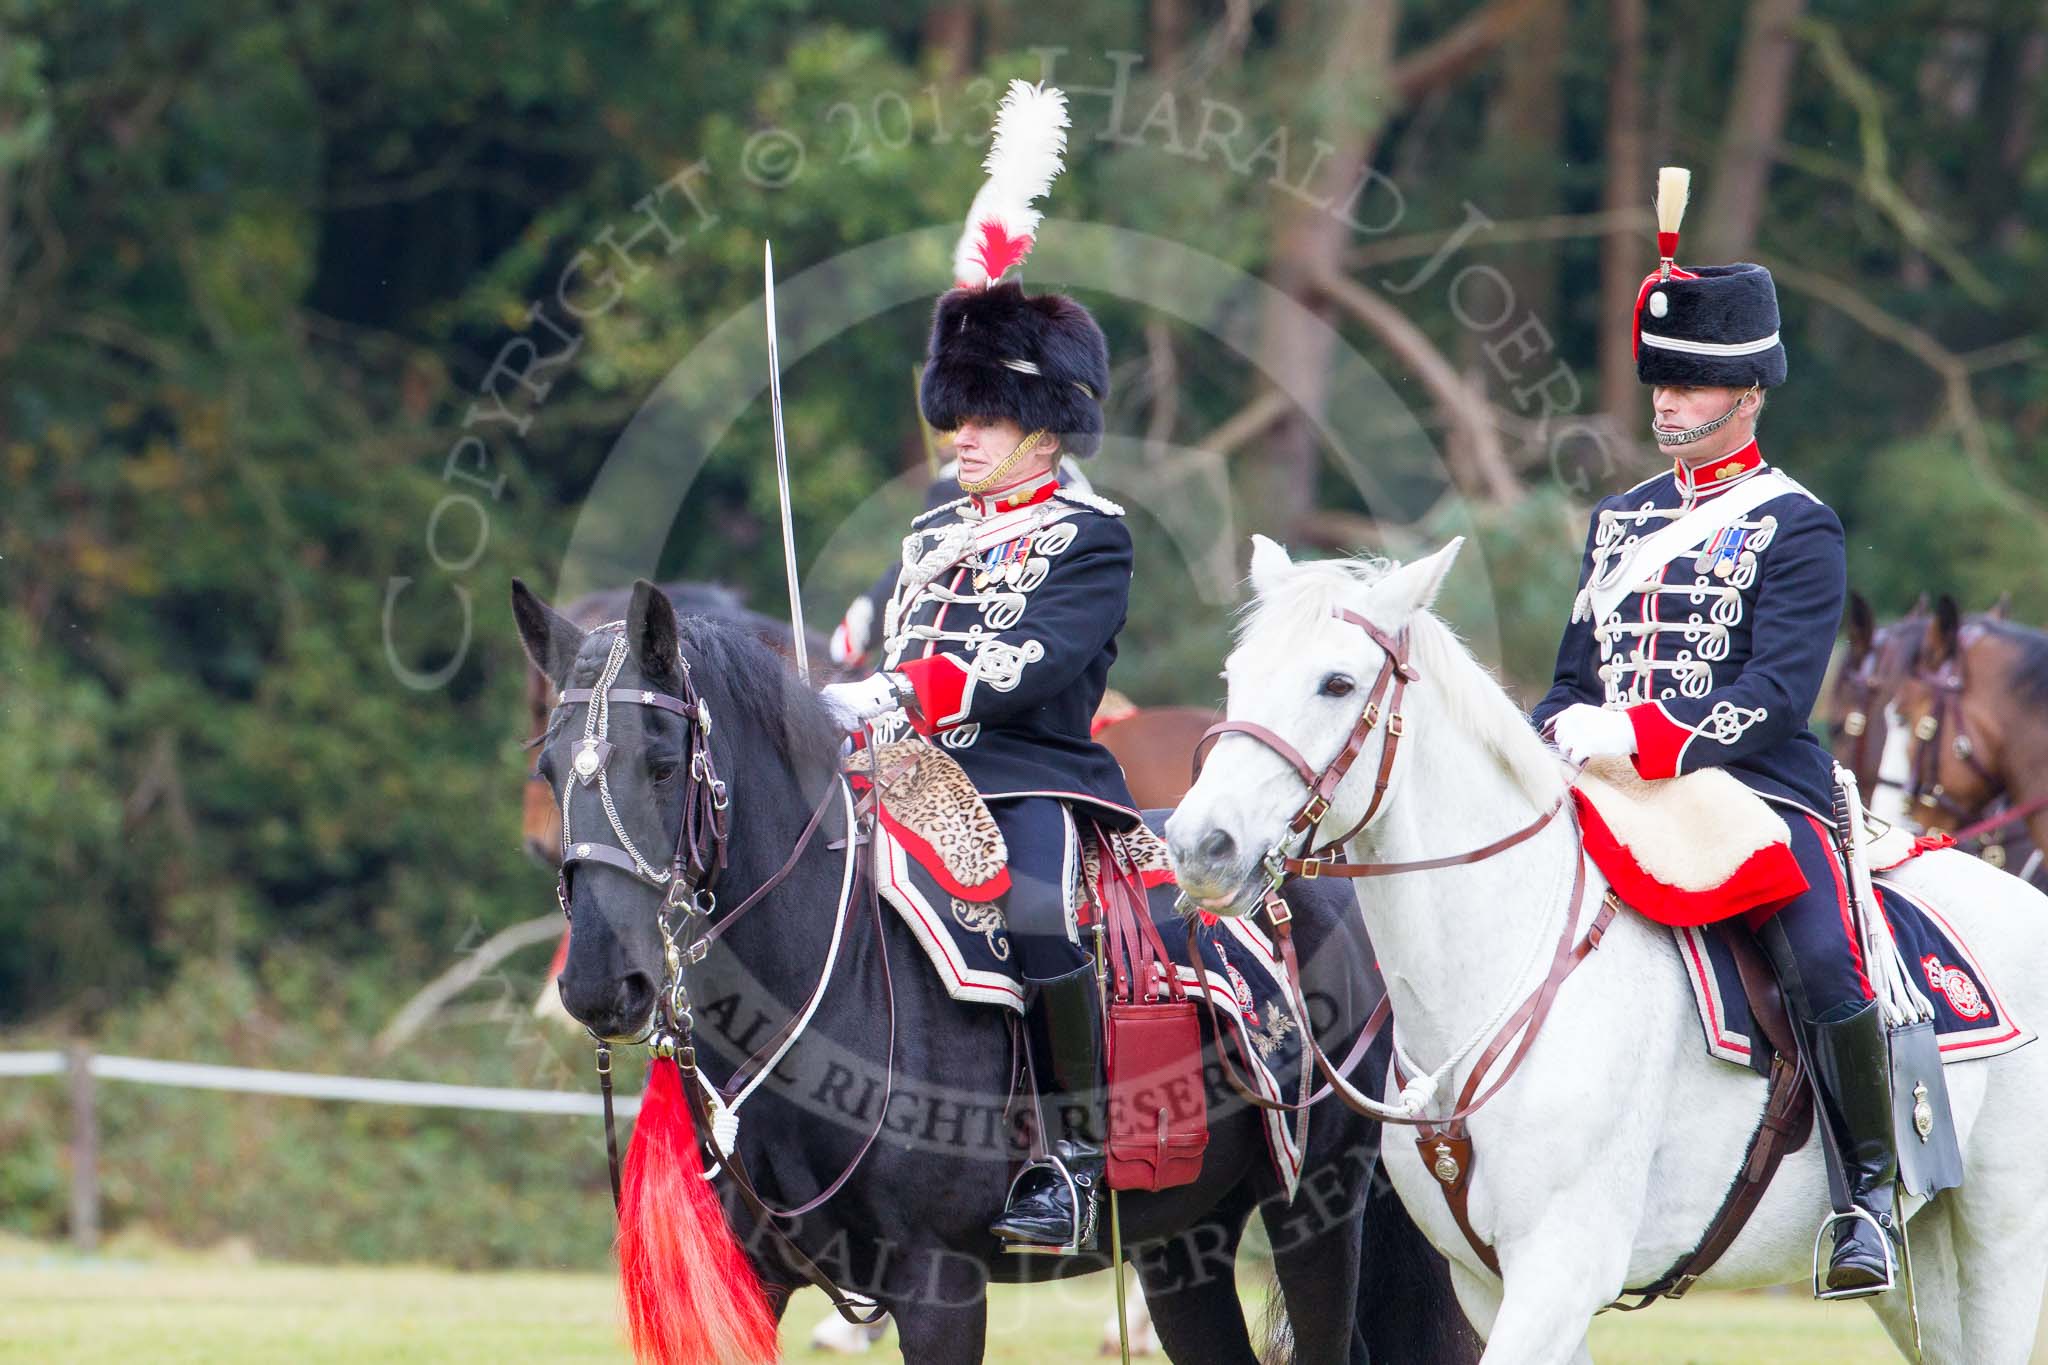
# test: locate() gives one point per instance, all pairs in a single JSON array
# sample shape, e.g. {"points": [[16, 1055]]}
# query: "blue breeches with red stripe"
{"points": [[1045, 863], [1811, 940]]}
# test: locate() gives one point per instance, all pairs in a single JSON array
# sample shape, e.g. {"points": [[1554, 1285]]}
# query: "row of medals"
{"points": [[1005, 564]]}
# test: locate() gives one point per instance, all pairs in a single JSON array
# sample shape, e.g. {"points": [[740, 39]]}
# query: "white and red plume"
{"points": [[1024, 157], [1674, 188]]}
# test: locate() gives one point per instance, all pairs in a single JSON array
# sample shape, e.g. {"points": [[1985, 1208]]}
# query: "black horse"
{"points": [[909, 1228]]}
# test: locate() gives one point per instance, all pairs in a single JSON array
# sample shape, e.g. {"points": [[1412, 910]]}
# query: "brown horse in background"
{"points": [[1975, 718], [1878, 659], [1155, 745]]}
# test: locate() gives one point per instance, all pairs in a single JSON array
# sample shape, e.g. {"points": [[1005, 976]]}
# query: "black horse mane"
{"points": [[2029, 677], [747, 683]]}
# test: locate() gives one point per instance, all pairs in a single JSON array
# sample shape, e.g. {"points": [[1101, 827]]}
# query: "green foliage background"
{"points": [[257, 262]]}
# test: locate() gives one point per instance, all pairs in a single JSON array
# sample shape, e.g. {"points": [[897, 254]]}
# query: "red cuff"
{"points": [[1659, 740], [940, 681]]}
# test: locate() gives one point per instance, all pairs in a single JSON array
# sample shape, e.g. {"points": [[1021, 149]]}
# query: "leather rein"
{"points": [[1383, 701], [1445, 1143], [689, 896]]}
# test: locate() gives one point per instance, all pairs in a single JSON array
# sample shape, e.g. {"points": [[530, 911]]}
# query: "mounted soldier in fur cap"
{"points": [[1708, 605], [998, 637]]}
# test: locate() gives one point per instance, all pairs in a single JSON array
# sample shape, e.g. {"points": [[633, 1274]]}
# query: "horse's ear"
{"points": [[551, 639], [1270, 564], [1862, 626], [651, 626], [1921, 605], [1413, 587], [2002, 608], [1943, 629]]}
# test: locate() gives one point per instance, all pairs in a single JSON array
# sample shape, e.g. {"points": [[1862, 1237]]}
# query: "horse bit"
{"points": [[700, 851], [1327, 859], [689, 900]]}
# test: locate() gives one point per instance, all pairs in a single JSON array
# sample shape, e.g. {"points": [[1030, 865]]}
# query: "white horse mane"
{"points": [[1471, 696]]}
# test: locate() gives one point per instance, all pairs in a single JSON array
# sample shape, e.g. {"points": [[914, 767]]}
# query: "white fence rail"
{"points": [[85, 1068]]}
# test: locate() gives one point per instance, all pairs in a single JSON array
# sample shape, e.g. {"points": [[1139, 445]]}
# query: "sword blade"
{"points": [[796, 605]]}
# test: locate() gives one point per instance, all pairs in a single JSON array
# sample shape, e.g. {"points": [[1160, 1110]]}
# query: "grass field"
{"points": [[55, 1307]]}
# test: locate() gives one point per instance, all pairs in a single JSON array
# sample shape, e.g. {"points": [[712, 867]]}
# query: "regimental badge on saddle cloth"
{"points": [[1240, 989]]}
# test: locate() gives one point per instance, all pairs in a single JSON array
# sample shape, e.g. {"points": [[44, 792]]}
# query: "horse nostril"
{"points": [[1217, 845], [635, 999]]}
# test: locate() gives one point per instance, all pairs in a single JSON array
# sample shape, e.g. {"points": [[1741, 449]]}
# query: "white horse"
{"points": [[1603, 1159]]}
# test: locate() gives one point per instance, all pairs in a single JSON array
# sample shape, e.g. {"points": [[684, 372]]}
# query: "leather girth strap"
{"points": [[1787, 1122]]}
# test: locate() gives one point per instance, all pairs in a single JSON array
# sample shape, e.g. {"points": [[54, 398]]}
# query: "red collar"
{"points": [[1022, 495], [1720, 476]]}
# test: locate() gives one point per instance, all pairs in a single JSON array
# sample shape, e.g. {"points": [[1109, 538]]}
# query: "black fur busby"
{"points": [[1711, 326], [1038, 359]]}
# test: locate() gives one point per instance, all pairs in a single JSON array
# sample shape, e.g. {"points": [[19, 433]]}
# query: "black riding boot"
{"points": [[1851, 1062], [1064, 1026], [1848, 1056]]}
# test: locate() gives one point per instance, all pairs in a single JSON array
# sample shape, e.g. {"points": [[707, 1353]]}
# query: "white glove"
{"points": [[853, 704], [1584, 732]]}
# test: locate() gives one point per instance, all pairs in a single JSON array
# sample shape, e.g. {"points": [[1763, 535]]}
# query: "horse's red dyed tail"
{"points": [[691, 1296]]}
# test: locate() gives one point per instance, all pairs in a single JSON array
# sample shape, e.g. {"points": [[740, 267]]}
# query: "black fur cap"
{"points": [[975, 331], [1699, 320]]}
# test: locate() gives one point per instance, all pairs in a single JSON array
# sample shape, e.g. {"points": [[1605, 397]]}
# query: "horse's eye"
{"points": [[1338, 685], [664, 773]]}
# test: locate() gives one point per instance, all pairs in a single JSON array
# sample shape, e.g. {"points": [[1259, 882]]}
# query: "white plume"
{"points": [[1674, 189], [1023, 160]]}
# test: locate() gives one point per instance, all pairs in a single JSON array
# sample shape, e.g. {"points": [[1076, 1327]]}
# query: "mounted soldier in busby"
{"points": [[1709, 600], [997, 640], [730, 835]]}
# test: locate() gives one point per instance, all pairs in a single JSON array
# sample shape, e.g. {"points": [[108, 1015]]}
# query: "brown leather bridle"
{"points": [[1943, 728], [1390, 687], [1863, 688], [1444, 1142]]}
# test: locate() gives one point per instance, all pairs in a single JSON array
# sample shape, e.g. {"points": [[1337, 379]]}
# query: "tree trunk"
{"points": [[1168, 23], [1624, 255], [2019, 134], [1525, 130], [1442, 63], [949, 36], [1478, 467], [1309, 242], [2007, 89], [1750, 131]]}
